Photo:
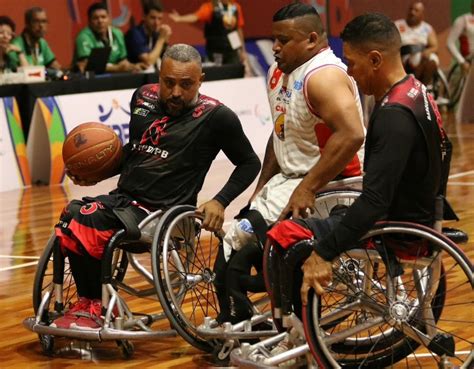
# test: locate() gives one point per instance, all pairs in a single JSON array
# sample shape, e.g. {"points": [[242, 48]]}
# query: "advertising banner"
{"points": [[13, 160]]}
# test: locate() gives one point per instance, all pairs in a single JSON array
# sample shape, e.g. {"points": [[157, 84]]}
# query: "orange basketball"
{"points": [[92, 151]]}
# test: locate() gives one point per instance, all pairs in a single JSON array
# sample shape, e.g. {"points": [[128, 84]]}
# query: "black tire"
{"points": [[44, 279], [395, 345], [456, 81], [172, 281]]}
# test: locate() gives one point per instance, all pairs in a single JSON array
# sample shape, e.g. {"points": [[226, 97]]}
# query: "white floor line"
{"points": [[462, 174], [18, 257], [461, 184], [18, 266], [457, 353]]}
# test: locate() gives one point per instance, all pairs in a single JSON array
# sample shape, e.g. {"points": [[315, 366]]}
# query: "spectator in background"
{"points": [[8, 51], [147, 42], [419, 44], [224, 21], [99, 34], [32, 42], [463, 30]]}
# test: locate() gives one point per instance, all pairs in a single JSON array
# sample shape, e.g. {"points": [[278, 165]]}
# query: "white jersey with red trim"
{"points": [[417, 35], [299, 134], [462, 31]]}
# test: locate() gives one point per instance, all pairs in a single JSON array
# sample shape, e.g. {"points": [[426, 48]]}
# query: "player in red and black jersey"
{"points": [[406, 151], [175, 134]]}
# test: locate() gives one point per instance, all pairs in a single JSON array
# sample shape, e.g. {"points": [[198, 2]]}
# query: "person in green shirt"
{"points": [[32, 42], [98, 34], [7, 49]]}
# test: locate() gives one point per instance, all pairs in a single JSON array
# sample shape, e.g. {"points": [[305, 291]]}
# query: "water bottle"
{"points": [[245, 226]]}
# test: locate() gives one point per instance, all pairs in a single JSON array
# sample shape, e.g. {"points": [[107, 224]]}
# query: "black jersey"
{"points": [[403, 166], [168, 157]]}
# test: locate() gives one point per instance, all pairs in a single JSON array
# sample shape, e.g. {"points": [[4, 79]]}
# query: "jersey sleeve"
{"points": [[48, 54], [393, 137], [136, 44], [204, 13], [83, 46], [231, 139], [240, 16]]}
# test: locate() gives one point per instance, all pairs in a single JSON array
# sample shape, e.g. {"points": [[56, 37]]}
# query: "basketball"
{"points": [[92, 152]]}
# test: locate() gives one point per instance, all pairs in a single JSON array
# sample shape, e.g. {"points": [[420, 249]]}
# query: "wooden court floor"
{"points": [[26, 220]]}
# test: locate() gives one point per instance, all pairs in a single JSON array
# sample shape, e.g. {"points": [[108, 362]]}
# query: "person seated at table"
{"points": [[32, 43], [8, 51], [100, 34], [147, 42]]}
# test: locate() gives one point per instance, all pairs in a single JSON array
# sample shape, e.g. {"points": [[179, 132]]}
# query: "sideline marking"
{"points": [[462, 174], [18, 257], [18, 266]]}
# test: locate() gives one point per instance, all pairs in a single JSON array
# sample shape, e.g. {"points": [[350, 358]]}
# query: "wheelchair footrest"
{"points": [[101, 334], [455, 235]]}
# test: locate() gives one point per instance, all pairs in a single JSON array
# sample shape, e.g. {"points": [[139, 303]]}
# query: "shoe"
{"points": [[284, 345], [81, 306], [91, 319]]}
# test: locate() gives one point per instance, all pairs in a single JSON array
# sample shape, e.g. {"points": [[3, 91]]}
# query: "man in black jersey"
{"points": [[175, 134], [404, 151]]}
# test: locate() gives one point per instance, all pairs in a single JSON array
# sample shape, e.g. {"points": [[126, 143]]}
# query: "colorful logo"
{"points": [[280, 127]]}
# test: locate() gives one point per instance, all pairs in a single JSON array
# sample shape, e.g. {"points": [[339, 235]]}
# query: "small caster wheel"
{"points": [[126, 348], [47, 344]]}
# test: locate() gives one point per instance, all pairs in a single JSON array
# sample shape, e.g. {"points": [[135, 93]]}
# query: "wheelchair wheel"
{"points": [[420, 316], [183, 256], [43, 281], [325, 201], [441, 91], [456, 81]]}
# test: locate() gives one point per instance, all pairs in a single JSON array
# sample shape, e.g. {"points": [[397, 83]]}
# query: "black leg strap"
{"points": [[129, 221]]}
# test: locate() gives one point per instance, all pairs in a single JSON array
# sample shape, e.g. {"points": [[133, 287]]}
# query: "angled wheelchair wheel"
{"points": [[456, 81], [325, 201], [441, 91], [183, 256], [417, 319], [45, 279]]}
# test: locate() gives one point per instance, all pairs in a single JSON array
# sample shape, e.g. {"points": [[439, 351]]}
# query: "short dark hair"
{"points": [[294, 10], [298, 10], [6, 20], [183, 53], [94, 7], [373, 30], [152, 5], [29, 13]]}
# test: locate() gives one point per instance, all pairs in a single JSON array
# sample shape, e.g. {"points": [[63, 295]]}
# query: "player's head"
{"points": [[298, 35], [180, 78], [371, 44], [416, 13], [98, 16], [153, 17]]}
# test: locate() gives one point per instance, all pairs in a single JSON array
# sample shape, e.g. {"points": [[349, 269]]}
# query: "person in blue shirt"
{"points": [[147, 42]]}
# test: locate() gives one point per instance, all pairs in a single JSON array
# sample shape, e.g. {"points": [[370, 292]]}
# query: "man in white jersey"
{"points": [[463, 31], [317, 137], [419, 44]]}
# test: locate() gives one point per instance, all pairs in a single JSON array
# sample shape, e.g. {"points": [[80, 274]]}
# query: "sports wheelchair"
{"points": [[54, 289], [196, 320], [401, 298]]}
